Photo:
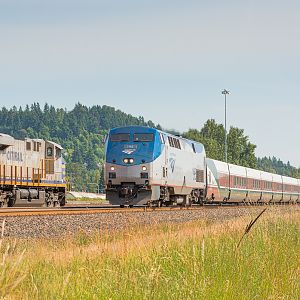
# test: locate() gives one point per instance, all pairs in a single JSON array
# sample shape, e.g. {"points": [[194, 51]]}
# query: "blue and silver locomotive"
{"points": [[146, 166]]}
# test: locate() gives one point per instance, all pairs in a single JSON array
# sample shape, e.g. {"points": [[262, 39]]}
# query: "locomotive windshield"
{"points": [[120, 137], [143, 137]]}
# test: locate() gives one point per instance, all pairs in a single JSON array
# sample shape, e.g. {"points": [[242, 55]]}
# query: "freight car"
{"points": [[146, 166], [32, 172]]}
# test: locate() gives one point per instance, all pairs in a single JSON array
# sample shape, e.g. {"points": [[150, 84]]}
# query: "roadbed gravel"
{"points": [[63, 225]]}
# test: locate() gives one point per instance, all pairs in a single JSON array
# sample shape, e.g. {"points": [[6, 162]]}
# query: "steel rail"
{"points": [[78, 210]]}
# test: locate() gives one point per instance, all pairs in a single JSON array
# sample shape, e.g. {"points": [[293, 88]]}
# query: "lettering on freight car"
{"points": [[14, 156]]}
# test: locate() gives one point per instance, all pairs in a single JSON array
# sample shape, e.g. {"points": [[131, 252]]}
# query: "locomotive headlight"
{"points": [[125, 160], [131, 160], [112, 168], [144, 168]]}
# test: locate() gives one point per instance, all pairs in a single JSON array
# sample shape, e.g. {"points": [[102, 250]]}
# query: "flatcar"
{"points": [[146, 166], [32, 172]]}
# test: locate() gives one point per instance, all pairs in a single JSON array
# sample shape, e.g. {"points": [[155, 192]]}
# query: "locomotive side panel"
{"points": [[186, 168]]}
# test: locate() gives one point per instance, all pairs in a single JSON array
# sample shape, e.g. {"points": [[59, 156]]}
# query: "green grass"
{"points": [[88, 200], [194, 260]]}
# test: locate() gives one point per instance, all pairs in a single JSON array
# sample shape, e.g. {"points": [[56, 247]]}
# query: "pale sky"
{"points": [[165, 60]]}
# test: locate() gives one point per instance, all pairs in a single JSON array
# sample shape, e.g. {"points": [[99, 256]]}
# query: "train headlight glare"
{"points": [[125, 160], [144, 168], [131, 160], [112, 168]]}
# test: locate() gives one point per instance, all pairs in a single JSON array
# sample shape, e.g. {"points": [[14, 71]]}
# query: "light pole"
{"points": [[225, 93]]}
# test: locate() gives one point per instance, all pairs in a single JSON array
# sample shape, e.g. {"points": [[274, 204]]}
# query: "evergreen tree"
{"points": [[80, 131]]}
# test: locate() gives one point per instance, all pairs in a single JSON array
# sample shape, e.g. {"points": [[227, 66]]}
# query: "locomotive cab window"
{"points": [[49, 151], [143, 137], [38, 146], [120, 137], [173, 142], [57, 152], [28, 146], [3, 147]]}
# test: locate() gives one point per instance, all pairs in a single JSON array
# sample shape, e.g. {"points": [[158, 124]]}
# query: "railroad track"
{"points": [[93, 209], [76, 210]]}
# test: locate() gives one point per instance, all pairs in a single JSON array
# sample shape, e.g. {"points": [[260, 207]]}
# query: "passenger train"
{"points": [[32, 172], [146, 166]]}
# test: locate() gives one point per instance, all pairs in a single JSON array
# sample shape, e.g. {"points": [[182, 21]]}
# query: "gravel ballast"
{"points": [[62, 225]]}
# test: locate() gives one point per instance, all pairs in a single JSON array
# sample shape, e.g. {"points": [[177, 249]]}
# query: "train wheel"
{"points": [[62, 201], [3, 204], [11, 201], [50, 204], [122, 206], [56, 204]]}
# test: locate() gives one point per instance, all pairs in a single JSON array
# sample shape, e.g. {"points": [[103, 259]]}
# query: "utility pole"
{"points": [[225, 93]]}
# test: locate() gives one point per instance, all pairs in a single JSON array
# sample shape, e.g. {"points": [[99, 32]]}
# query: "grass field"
{"points": [[195, 260], [87, 200]]}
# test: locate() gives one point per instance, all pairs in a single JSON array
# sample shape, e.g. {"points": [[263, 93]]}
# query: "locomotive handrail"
{"points": [[16, 175]]}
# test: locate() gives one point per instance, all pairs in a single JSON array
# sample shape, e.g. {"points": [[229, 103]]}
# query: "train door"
{"points": [[164, 193], [228, 184], [165, 161], [49, 161]]}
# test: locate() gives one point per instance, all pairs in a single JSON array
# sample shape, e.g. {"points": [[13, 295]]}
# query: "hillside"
{"points": [[81, 132]]}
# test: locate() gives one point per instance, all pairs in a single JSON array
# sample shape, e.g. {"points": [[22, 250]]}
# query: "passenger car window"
{"points": [[120, 137], [143, 137]]}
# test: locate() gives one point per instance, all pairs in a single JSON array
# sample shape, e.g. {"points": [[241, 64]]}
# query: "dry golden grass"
{"points": [[194, 260], [143, 237]]}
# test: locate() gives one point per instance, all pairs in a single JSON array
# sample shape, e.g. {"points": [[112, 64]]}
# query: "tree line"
{"points": [[240, 150], [82, 130]]}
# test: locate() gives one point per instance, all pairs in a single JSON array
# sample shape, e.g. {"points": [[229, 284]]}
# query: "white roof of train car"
{"points": [[277, 178], [237, 170], [289, 180], [254, 174], [221, 166], [266, 176]]}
